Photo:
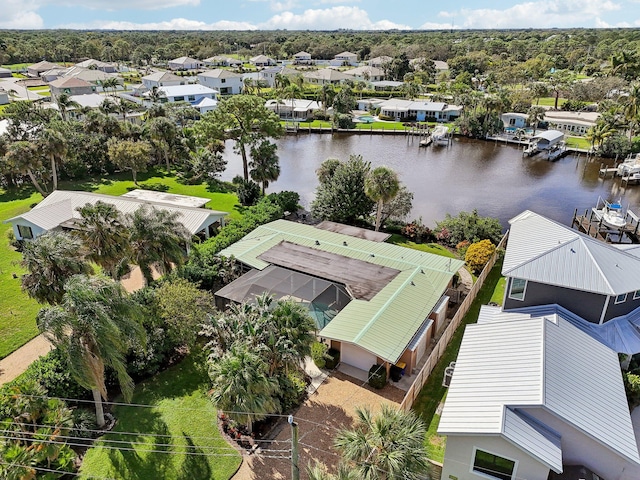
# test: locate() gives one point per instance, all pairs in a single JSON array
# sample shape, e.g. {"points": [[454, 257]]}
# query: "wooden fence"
{"points": [[443, 342]]}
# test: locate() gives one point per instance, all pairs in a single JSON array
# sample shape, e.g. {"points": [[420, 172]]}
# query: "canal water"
{"points": [[492, 177]]}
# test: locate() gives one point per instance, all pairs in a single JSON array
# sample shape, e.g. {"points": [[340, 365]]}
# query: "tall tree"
{"points": [[105, 237], [381, 185], [325, 95], [65, 103], [93, 327], [386, 446], [536, 115], [157, 239], [163, 133], [130, 155], [53, 145], [243, 119], [265, 166], [22, 157], [631, 108], [50, 260]]}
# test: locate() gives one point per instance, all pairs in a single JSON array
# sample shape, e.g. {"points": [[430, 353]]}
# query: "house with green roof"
{"points": [[375, 302]]}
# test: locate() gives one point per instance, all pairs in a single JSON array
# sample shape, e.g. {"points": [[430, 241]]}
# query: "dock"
{"points": [[604, 172], [593, 226]]}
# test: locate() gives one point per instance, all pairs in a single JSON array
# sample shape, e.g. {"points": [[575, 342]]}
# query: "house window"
{"points": [[192, 98], [25, 232], [224, 80], [178, 99], [518, 288], [493, 466], [636, 294], [621, 298]]}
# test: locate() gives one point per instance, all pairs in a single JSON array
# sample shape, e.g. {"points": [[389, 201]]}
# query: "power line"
{"points": [[50, 470]]}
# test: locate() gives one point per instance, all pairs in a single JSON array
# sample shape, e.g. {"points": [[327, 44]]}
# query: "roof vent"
{"points": [[412, 283], [344, 243], [448, 373], [317, 242], [372, 255]]}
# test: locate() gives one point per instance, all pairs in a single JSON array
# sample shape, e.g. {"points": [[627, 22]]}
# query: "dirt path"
{"points": [[17, 362]]}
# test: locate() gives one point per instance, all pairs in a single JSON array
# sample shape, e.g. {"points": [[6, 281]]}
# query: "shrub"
{"points": [[462, 248], [319, 354], [84, 421], [377, 376], [632, 388], [333, 358], [248, 191], [386, 118], [478, 254], [417, 232], [292, 390], [287, 200], [470, 226], [343, 120]]}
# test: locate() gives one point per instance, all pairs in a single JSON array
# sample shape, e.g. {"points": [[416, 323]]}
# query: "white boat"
{"points": [[531, 149], [611, 214], [440, 135], [630, 166]]}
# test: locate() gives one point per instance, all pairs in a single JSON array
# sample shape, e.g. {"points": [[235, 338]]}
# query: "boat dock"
{"points": [[592, 224], [604, 172]]}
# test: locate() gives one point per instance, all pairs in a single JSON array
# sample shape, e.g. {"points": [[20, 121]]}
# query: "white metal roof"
{"points": [[170, 198], [164, 76], [60, 206], [549, 135], [545, 251], [537, 363], [219, 73], [189, 89]]}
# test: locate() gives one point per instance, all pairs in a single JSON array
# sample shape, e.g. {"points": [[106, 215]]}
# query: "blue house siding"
{"points": [[616, 310]]}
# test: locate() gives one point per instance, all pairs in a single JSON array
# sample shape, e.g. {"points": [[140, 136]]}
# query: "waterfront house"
{"points": [[203, 99], [71, 86], [375, 302], [162, 79], [98, 65], [36, 69], [58, 211], [224, 81], [536, 398], [303, 58], [295, 109], [514, 120], [185, 63], [366, 73], [548, 263], [571, 123], [262, 61], [345, 59], [325, 76], [419, 110], [222, 61]]}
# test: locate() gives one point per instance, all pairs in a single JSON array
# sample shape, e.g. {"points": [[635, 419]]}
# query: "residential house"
{"points": [[36, 69], [262, 61], [325, 76], [379, 62], [58, 211], [366, 73], [419, 110], [303, 58], [598, 282], [222, 61], [162, 79], [268, 75], [387, 85], [535, 397], [345, 59], [5, 73], [98, 65], [87, 101], [375, 302], [201, 98], [53, 74], [185, 63], [514, 120], [571, 123], [295, 109], [95, 77], [224, 81], [71, 86]]}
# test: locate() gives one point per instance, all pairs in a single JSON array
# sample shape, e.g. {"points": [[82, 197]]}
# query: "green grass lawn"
{"points": [[551, 101], [182, 412], [40, 88], [16, 66], [17, 310], [578, 142], [433, 393], [397, 239], [359, 126]]}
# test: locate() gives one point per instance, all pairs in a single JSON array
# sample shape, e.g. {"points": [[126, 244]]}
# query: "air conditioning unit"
{"points": [[448, 373]]}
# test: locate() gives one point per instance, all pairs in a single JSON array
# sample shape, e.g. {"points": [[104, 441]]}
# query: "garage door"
{"points": [[356, 357]]}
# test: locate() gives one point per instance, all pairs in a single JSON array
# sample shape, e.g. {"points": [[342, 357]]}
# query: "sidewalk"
{"points": [[17, 362]]}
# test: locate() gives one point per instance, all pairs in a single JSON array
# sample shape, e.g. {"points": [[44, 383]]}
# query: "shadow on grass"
{"points": [[217, 186], [156, 187], [433, 392], [196, 465], [16, 193]]}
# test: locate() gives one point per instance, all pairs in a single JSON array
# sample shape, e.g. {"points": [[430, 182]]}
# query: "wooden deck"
{"points": [[589, 224]]}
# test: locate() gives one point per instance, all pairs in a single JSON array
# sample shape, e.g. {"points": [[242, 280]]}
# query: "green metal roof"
{"points": [[385, 324]]}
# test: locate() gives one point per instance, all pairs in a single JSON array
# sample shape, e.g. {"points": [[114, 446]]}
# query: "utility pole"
{"points": [[295, 471]]}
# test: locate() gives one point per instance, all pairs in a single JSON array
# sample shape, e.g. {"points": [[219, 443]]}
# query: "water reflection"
{"points": [[489, 176]]}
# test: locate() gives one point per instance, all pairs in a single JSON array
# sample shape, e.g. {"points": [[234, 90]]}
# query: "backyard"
{"points": [[179, 418], [17, 310]]}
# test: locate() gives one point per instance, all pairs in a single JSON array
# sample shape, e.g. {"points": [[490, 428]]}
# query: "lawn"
{"points": [[18, 311], [550, 102], [182, 419], [433, 393], [578, 142], [358, 126], [435, 248]]}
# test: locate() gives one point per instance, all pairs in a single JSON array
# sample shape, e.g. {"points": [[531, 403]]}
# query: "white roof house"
{"points": [[262, 61], [302, 58], [162, 79], [224, 81], [345, 58], [98, 65], [185, 63], [379, 62], [401, 109], [195, 94], [540, 394], [59, 209], [293, 109], [573, 123], [325, 76], [367, 73], [222, 61]]}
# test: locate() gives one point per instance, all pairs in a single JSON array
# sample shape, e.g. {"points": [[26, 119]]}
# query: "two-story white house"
{"points": [[185, 63], [224, 81], [303, 58], [162, 79], [201, 98], [345, 59]]}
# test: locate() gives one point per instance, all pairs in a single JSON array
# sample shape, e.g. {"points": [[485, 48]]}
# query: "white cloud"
{"points": [[20, 14], [329, 19], [173, 24], [113, 5], [282, 6], [534, 14]]}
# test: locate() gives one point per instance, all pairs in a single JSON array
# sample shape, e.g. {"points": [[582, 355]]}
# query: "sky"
{"points": [[316, 14]]}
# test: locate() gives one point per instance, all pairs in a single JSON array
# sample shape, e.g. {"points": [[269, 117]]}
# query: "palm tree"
{"points": [[50, 260], [104, 236], [123, 106], [387, 446], [93, 326], [240, 383], [536, 115], [381, 184], [110, 84], [163, 132], [265, 166], [22, 157], [53, 145], [599, 133], [326, 95], [157, 239], [64, 103], [156, 94], [631, 108], [319, 472]]}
